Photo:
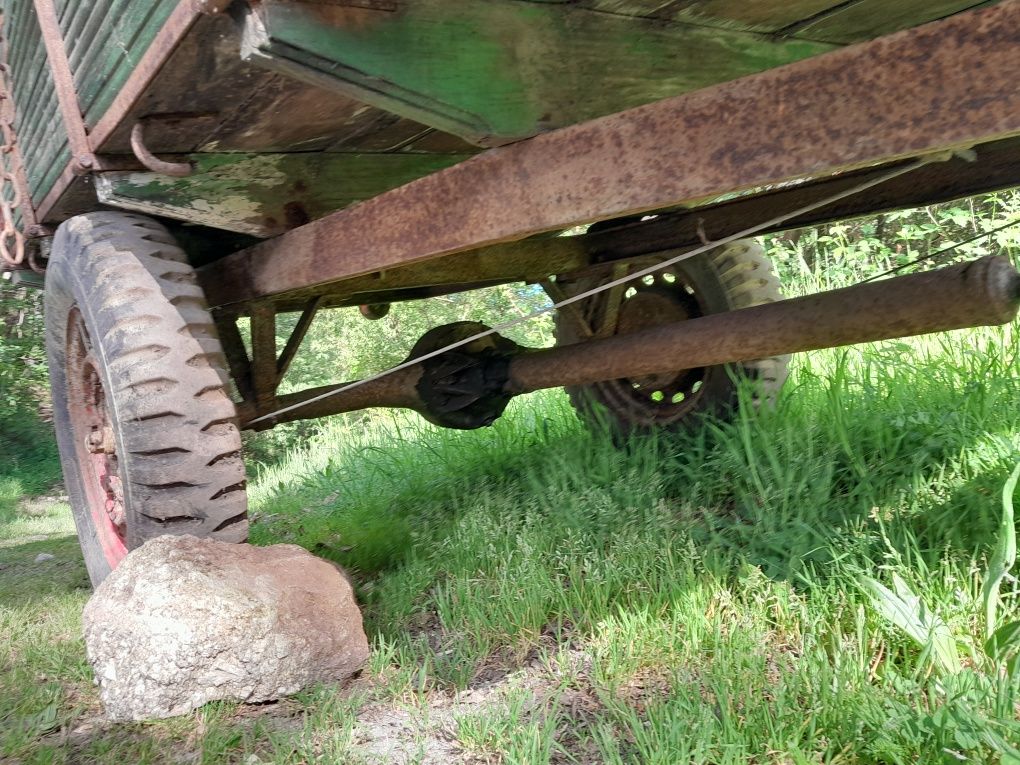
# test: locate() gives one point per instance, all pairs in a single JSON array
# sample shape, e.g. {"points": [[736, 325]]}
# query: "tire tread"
{"points": [[169, 376]]}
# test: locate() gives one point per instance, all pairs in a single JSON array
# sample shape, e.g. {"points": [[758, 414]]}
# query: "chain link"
{"points": [[12, 241]]}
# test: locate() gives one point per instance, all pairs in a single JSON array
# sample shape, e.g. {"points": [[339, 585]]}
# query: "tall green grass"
{"points": [[719, 571], [696, 598]]}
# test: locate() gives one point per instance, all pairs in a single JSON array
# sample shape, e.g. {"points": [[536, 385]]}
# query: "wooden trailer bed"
{"points": [[390, 91]]}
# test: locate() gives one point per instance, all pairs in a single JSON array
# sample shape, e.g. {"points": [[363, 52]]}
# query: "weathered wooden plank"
{"points": [[207, 99], [760, 16], [868, 19], [265, 194], [105, 39], [41, 137], [497, 72]]}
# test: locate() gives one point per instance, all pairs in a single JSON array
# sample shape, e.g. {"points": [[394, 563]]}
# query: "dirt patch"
{"points": [[426, 732]]}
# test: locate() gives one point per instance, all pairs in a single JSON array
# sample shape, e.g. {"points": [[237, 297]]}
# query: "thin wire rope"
{"points": [[706, 247], [943, 251]]}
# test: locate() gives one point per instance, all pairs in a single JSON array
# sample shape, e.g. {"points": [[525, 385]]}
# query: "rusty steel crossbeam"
{"points": [[264, 377], [899, 96], [996, 167]]}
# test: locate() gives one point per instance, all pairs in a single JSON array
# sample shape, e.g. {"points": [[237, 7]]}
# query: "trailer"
{"points": [[171, 167]]}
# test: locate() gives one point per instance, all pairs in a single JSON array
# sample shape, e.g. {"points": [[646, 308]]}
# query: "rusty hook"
{"points": [[151, 161]]}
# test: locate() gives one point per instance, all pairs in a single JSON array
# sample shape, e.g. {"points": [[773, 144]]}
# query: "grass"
{"points": [[29, 466], [536, 595]]}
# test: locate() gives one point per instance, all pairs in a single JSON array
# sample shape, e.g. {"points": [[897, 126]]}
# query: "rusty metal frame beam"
{"points": [[899, 96], [264, 376], [996, 167], [528, 261], [259, 377], [82, 156], [236, 353], [297, 336]]}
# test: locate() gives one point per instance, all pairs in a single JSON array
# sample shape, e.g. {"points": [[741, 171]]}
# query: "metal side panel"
{"points": [[40, 130], [105, 39]]}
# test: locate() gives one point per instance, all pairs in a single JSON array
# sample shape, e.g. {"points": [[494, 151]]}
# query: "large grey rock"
{"points": [[183, 621]]}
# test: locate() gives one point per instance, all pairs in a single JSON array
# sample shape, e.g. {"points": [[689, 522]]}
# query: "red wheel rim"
{"points": [[95, 441]]}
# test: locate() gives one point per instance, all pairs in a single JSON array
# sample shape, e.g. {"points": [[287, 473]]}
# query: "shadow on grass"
{"points": [[781, 515], [858, 460]]}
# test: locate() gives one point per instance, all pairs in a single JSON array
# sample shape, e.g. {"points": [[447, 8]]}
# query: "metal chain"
{"points": [[12, 240], [706, 247]]}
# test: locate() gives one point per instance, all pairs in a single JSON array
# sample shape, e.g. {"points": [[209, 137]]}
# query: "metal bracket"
{"points": [[259, 377], [150, 160], [83, 158]]}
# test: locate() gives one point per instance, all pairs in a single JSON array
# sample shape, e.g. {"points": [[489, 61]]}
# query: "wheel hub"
{"points": [[93, 430], [660, 298], [650, 307]]}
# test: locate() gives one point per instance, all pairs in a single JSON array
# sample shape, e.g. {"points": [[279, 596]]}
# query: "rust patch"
{"points": [[295, 215]]}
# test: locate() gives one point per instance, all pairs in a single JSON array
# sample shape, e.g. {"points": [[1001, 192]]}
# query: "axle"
{"points": [[469, 387], [985, 292]]}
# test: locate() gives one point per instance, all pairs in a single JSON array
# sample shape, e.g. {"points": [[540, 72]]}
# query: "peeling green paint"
{"points": [[265, 194]]}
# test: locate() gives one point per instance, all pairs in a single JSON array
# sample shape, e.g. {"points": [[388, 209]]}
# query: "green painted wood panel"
{"points": [[40, 128], [266, 194], [867, 19], [105, 39], [494, 72], [748, 15]]}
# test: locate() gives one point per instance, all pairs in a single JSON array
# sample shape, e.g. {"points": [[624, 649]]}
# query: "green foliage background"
{"points": [[27, 449]]}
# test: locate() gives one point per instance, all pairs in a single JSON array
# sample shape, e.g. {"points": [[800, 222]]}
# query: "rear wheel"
{"points": [[735, 276], [148, 435]]}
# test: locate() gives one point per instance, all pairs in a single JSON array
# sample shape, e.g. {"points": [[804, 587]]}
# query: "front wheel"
{"points": [[146, 428]]}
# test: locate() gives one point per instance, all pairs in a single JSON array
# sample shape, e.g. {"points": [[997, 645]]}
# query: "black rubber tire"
{"points": [[164, 379], [738, 275]]}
